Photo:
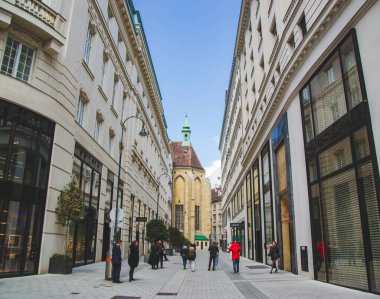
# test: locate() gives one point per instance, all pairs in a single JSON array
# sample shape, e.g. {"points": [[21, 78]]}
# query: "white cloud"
{"points": [[212, 168], [216, 139]]}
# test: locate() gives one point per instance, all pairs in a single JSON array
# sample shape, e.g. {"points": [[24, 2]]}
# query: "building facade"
{"points": [[216, 216], [74, 76], [299, 142], [191, 192]]}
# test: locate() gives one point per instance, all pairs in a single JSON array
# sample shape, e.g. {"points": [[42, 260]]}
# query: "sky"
{"points": [[191, 43]]}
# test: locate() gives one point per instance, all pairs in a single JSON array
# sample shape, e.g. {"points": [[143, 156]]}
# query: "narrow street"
{"points": [[254, 281]]}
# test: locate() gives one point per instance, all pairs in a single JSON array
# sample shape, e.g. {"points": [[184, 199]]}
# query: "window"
{"points": [[302, 25], [109, 15], [330, 76], [80, 110], [103, 69], [214, 218], [179, 217], [114, 89], [110, 144], [197, 217], [97, 130], [273, 28], [87, 47], [291, 41], [17, 60]]}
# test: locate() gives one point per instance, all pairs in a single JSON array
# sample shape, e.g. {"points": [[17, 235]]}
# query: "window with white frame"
{"points": [[80, 110], [87, 47], [110, 143], [330, 75], [17, 60]]}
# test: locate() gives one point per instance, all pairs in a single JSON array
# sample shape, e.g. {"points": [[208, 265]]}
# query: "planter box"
{"points": [[60, 265]]}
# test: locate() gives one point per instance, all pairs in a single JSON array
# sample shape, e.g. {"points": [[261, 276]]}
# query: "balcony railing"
{"points": [[43, 10]]}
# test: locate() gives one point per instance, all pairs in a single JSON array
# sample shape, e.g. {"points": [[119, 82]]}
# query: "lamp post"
{"points": [[159, 184], [142, 133]]}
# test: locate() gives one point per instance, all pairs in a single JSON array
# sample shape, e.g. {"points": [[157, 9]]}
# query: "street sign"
{"points": [[120, 215], [141, 219], [234, 224]]}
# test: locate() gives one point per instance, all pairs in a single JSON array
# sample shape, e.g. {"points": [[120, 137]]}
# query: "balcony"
{"points": [[42, 18]]}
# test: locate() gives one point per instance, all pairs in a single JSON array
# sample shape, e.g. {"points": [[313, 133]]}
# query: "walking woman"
{"points": [[133, 259], [153, 256], [191, 256], [274, 254]]}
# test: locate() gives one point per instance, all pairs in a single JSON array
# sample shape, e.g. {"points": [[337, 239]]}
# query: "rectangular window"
{"points": [[110, 144], [103, 69], [179, 217], [114, 91], [97, 130], [17, 60], [197, 217], [214, 218], [80, 111], [87, 46]]}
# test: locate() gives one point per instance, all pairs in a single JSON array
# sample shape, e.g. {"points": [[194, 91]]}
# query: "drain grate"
{"points": [[258, 267], [125, 297], [166, 294], [74, 293]]}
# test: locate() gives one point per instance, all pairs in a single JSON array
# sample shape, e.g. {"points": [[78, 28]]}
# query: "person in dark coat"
{"points": [[160, 247], [214, 250], [133, 259], [116, 262], [153, 256], [274, 254], [183, 253]]}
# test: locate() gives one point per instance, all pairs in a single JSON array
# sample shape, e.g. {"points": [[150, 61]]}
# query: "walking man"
{"points": [[183, 253], [133, 259], [214, 250], [116, 262], [235, 251]]}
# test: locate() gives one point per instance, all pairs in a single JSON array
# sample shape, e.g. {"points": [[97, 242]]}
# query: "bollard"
{"points": [[108, 274]]}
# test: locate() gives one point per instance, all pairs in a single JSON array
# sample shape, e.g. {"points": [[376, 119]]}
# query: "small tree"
{"points": [[70, 208], [176, 238], [156, 230]]}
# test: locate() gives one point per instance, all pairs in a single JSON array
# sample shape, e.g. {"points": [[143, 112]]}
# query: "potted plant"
{"points": [[70, 209]]}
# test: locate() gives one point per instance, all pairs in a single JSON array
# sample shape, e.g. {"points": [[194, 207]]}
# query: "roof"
{"points": [[185, 156], [216, 193], [200, 238]]}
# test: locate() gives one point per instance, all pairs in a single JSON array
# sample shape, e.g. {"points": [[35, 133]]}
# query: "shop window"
{"points": [[17, 60]]}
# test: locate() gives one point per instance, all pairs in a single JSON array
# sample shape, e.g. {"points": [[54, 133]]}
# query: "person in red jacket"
{"points": [[235, 252]]}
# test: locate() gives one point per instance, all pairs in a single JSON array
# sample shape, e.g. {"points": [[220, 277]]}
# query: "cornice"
{"points": [[299, 56], [242, 27]]}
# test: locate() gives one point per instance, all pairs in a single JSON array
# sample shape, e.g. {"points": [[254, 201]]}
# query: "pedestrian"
{"points": [[133, 259], [235, 254], [183, 253], [164, 251], [160, 249], [214, 250], [116, 261], [191, 256], [274, 254], [153, 256]]}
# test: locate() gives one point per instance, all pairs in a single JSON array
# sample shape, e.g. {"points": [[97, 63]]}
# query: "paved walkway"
{"points": [[173, 281]]}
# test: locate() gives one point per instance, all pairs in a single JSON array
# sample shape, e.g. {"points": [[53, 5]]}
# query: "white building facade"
{"points": [[299, 145], [74, 74]]}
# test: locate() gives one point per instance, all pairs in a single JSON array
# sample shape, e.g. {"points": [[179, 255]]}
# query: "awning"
{"points": [[200, 238]]}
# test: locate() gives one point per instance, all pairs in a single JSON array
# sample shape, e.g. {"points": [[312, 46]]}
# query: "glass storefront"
{"points": [[342, 173], [257, 213], [25, 151], [82, 241]]}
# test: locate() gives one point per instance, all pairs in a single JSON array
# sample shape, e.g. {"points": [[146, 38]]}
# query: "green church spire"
{"points": [[186, 132]]}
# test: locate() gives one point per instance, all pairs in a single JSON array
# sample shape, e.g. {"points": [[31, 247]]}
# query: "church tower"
{"points": [[186, 132]]}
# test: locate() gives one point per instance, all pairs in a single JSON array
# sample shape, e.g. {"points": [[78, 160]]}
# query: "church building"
{"points": [[191, 192]]}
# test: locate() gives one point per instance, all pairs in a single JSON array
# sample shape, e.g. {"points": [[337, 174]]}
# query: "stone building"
{"points": [[299, 141], [74, 76], [191, 192], [216, 215]]}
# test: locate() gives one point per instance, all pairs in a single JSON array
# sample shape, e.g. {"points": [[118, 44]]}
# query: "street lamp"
{"points": [[159, 184], [142, 133]]}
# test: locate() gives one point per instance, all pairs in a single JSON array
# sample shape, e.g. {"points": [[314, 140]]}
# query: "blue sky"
{"points": [[191, 43]]}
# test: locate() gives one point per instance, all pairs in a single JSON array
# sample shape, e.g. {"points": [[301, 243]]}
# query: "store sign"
{"points": [[234, 224]]}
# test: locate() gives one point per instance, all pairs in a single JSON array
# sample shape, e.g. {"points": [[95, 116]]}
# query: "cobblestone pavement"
{"points": [[174, 281]]}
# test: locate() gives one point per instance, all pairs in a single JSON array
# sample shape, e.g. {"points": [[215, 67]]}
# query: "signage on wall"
{"points": [[234, 224], [141, 219]]}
